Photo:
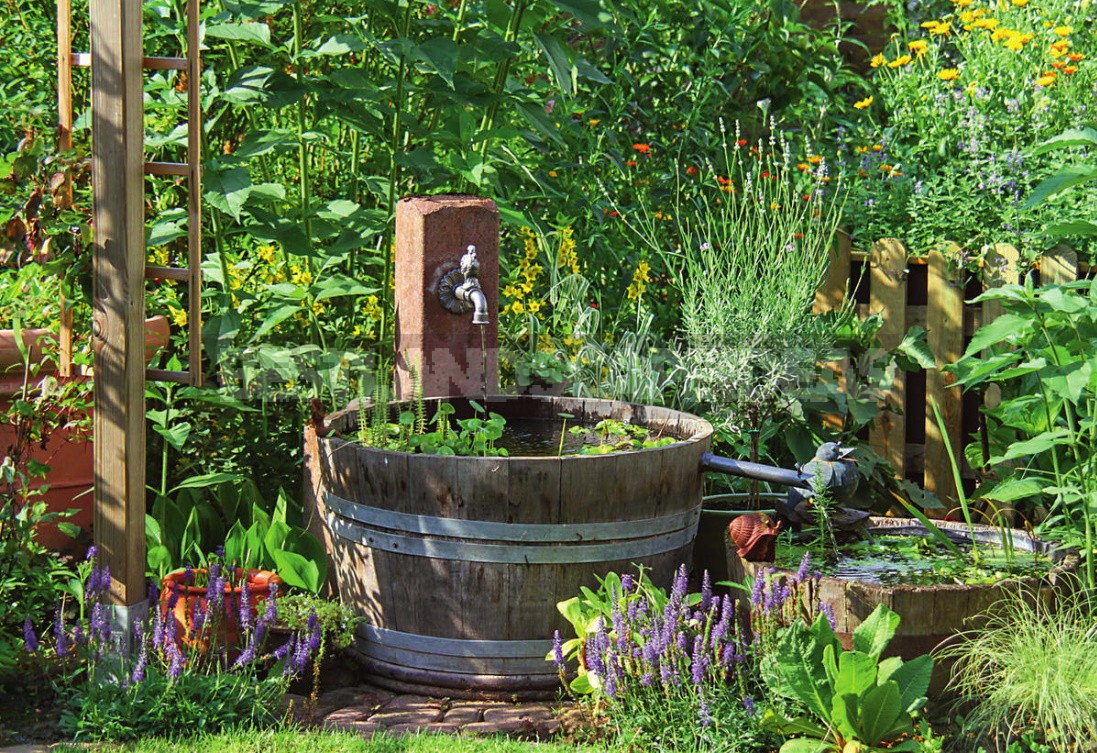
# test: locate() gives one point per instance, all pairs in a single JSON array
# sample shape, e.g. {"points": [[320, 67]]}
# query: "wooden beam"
{"points": [[119, 293], [888, 296], [945, 337], [194, 193]]}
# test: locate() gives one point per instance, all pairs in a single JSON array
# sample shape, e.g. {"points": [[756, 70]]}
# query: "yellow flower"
{"points": [[815, 159], [987, 23], [863, 104], [1020, 3], [900, 61], [372, 309], [967, 17], [919, 47], [963, 3], [1014, 44], [1047, 79], [938, 28], [533, 306], [594, 121], [1063, 31], [179, 317], [877, 60], [517, 307], [552, 173], [948, 74]]}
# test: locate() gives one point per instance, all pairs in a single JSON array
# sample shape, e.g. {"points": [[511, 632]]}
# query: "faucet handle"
{"points": [[470, 265]]}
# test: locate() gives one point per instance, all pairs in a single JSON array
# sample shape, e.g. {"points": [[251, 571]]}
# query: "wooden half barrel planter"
{"points": [[931, 615], [457, 563]]}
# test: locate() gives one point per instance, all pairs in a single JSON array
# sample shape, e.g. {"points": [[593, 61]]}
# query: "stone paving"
{"points": [[368, 710]]}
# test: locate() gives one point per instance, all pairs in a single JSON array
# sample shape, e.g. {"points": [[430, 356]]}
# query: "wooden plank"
{"points": [[888, 297], [119, 294], [156, 63], [944, 334], [836, 283], [167, 273], [1059, 265], [999, 268], [194, 193], [164, 375], [64, 144], [179, 169]]}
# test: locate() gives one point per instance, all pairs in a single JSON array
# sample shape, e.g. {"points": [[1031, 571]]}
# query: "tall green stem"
{"points": [[302, 147], [395, 145], [501, 74]]}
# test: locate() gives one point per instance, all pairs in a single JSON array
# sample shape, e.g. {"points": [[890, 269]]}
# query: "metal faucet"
{"points": [[459, 290]]}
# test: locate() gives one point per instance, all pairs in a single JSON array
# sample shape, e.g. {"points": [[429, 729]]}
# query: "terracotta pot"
{"points": [[69, 454], [194, 598]]}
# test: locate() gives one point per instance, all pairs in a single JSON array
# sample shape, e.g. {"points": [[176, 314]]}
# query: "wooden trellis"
{"points": [[118, 173], [927, 291]]}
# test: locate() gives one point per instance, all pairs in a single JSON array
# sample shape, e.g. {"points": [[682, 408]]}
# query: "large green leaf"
{"points": [[873, 635], [912, 678], [297, 571], [805, 745], [1068, 177], [856, 673], [253, 32], [881, 708], [800, 665], [1040, 443], [205, 480], [1004, 327]]}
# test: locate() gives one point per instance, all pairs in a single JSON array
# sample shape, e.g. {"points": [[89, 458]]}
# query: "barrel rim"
{"points": [[701, 429]]}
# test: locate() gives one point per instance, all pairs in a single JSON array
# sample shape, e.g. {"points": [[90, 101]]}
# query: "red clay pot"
{"points": [[192, 597]]}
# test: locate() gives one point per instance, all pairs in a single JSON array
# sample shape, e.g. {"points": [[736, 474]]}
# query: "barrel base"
{"points": [[480, 687]]}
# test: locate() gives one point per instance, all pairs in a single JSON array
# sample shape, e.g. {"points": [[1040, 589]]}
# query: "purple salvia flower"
{"points": [[171, 631], [748, 705], [557, 650], [152, 592], [706, 592], [314, 639], [195, 618], [77, 635], [158, 627], [704, 714], [681, 582], [175, 666], [698, 661], [29, 638], [245, 607], [272, 604], [646, 679], [302, 655], [188, 575], [214, 571], [620, 630], [284, 650], [100, 624], [104, 579], [60, 637], [633, 609], [681, 640], [757, 590], [247, 656], [138, 675], [627, 582], [828, 612], [805, 568], [173, 597], [91, 588], [219, 552], [312, 620], [609, 682], [93, 552]]}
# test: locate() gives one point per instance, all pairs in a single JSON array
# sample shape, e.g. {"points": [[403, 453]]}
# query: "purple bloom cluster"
{"points": [[692, 642]]}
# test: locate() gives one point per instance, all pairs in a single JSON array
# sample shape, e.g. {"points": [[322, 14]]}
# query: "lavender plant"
{"points": [[669, 672], [161, 677]]}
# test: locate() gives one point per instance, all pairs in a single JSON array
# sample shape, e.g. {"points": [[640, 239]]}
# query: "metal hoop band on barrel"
{"points": [[521, 543], [462, 656]]}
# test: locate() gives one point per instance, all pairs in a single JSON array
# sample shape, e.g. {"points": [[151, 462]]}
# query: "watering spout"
{"points": [[460, 292]]}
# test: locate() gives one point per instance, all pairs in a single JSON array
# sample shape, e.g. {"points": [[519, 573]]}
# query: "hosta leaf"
{"points": [[872, 636], [881, 708]]}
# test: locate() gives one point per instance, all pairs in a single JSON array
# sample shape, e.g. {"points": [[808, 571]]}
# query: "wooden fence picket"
{"points": [[928, 291]]}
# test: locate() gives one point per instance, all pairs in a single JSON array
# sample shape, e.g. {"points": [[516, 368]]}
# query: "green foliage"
{"points": [[472, 436], [941, 157], [612, 435], [1030, 671], [337, 621], [851, 696], [1043, 433], [160, 707], [1067, 178]]}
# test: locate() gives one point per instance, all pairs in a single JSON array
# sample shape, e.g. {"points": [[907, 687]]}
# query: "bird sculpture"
{"points": [[833, 475]]}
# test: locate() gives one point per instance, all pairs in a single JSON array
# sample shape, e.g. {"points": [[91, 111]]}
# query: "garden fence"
{"points": [[931, 292]]}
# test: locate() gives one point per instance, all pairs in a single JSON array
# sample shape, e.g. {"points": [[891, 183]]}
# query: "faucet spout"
{"points": [[479, 303]]}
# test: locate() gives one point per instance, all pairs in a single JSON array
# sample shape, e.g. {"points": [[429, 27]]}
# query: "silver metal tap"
{"points": [[459, 289]]}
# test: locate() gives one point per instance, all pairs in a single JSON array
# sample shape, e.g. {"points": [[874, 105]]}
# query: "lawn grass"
{"points": [[311, 741]]}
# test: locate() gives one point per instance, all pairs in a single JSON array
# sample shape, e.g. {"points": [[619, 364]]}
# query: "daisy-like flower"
{"points": [[864, 104], [948, 74]]}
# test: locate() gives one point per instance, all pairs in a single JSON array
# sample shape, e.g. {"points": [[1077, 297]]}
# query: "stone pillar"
{"points": [[447, 350]]}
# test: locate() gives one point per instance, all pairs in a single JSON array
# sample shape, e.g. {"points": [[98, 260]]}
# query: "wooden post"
{"points": [[118, 325], [945, 337], [1059, 265], [835, 285], [888, 296]]}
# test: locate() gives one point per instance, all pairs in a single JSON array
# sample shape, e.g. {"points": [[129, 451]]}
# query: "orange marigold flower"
{"points": [[631, 163], [642, 148], [1070, 69], [1047, 79], [1059, 64], [815, 159], [1074, 57], [802, 166], [723, 181], [741, 142], [691, 170], [877, 148]]}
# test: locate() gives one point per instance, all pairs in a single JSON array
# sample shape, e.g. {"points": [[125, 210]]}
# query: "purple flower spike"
{"points": [[272, 604], [828, 612], [138, 675], [104, 579], [93, 552], [188, 575], [245, 607], [706, 592], [60, 637], [557, 650], [91, 588], [29, 638], [699, 661], [757, 590], [681, 582], [805, 568], [627, 583], [704, 714], [175, 668], [748, 705]]}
